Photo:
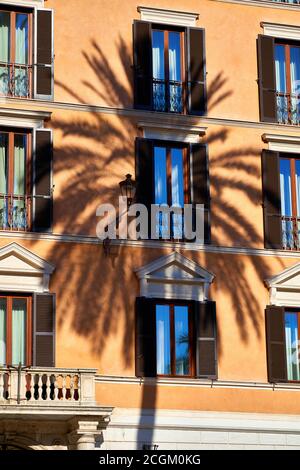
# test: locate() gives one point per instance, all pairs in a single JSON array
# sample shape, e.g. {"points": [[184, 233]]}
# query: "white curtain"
{"points": [[158, 70], [160, 190], [163, 339], [175, 72], [292, 346], [21, 74], [280, 71], [4, 51], [19, 215], [2, 331], [18, 331], [295, 84], [3, 179], [177, 190]]}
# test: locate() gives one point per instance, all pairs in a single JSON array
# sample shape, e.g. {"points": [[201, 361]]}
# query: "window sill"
{"points": [[263, 3]]}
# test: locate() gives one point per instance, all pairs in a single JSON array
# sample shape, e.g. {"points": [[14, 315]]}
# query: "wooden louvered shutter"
{"points": [[196, 71], [44, 330], [267, 79], [206, 339], [145, 344], [142, 43], [44, 55], [276, 352], [200, 183]]}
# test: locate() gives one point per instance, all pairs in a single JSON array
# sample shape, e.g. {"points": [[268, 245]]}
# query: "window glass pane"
{"points": [[19, 308], [292, 346], [177, 190], [285, 187], [175, 86], [182, 340], [3, 180], [297, 170], [2, 331], [161, 192], [158, 54], [163, 344], [280, 68], [19, 203], [21, 72], [295, 84], [4, 51]]}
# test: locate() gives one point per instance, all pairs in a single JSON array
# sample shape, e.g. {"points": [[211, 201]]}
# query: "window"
{"points": [[169, 66], [26, 66], [290, 202], [174, 340], [179, 175], [15, 53], [15, 330], [168, 77], [287, 67], [15, 181], [170, 187], [292, 344]]}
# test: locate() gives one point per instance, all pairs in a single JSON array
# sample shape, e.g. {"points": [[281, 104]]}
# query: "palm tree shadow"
{"points": [[94, 171]]}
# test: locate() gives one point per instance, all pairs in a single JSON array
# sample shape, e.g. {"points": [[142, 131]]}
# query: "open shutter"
{"points": [[271, 199], [145, 345], [206, 339], [276, 352], [44, 55], [142, 42], [200, 183], [267, 79], [42, 181], [44, 330], [144, 174], [196, 71]]}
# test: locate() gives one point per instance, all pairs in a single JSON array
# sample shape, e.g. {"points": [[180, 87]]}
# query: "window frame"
{"points": [[12, 49], [29, 327], [291, 310], [292, 158], [166, 29], [28, 196], [192, 351]]}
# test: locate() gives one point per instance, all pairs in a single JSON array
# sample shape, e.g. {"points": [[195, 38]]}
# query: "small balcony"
{"points": [[15, 212], [168, 96], [50, 387], [15, 80], [288, 108], [290, 233]]}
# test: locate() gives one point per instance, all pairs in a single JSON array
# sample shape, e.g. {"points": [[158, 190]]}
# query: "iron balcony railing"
{"points": [[287, 1], [15, 212], [288, 108], [290, 232], [15, 80], [168, 95]]}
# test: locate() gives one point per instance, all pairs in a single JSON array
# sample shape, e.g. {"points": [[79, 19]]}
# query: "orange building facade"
{"points": [[146, 344]]}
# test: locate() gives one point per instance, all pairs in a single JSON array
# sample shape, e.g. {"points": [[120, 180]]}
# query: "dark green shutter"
{"points": [[44, 330], [142, 44], [200, 183], [196, 71], [44, 54], [206, 339], [271, 199], [145, 345], [267, 79], [276, 352], [42, 181]]}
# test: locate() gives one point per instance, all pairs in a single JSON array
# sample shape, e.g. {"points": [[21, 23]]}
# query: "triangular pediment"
{"points": [[175, 266], [16, 258], [287, 279]]}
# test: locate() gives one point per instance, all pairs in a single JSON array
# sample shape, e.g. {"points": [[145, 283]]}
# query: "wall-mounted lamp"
{"points": [[128, 189]]}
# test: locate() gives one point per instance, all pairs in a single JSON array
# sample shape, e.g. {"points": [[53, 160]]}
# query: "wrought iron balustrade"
{"points": [[15, 80], [290, 233], [288, 108], [15, 212], [168, 95]]}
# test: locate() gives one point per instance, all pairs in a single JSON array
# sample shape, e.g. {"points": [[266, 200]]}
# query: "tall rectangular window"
{"points": [[292, 336], [287, 71], [173, 340], [170, 188], [15, 330], [168, 75], [15, 53], [15, 181], [290, 202]]}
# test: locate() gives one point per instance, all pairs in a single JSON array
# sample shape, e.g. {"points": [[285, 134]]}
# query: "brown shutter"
{"points": [[206, 339], [196, 71], [144, 174], [142, 41], [42, 178], [145, 344], [276, 353], [44, 330], [267, 79], [200, 183], [44, 54], [271, 199]]}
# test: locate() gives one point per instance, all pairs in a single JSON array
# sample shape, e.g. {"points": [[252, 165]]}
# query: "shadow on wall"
{"points": [[94, 295]]}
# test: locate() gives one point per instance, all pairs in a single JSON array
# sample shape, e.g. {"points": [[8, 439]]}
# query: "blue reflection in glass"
{"points": [[285, 187], [175, 88], [280, 70], [158, 65], [163, 344], [182, 340], [160, 190], [292, 345], [177, 181]]}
